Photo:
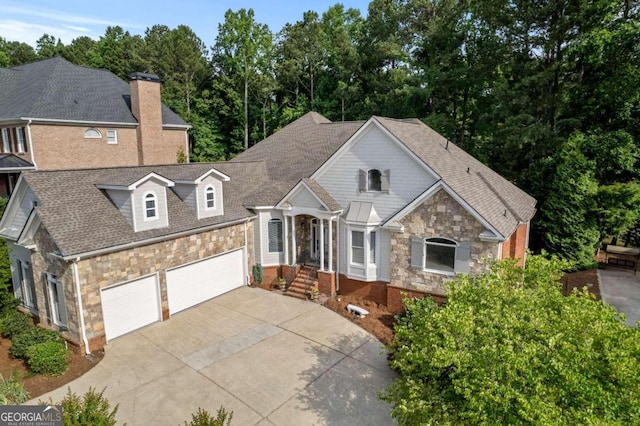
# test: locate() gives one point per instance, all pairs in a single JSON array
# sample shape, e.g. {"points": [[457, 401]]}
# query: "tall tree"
{"points": [[119, 52], [243, 48], [48, 46]]}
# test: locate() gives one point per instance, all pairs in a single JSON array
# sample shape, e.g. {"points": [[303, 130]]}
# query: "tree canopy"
{"points": [[508, 348], [520, 85]]}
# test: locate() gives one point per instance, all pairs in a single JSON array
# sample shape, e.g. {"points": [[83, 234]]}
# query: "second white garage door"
{"points": [[194, 283], [130, 305]]}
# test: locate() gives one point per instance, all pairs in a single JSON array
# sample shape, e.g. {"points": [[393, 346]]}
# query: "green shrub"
{"points": [[203, 418], [48, 358], [12, 390], [14, 323], [23, 341], [8, 303], [92, 409]]}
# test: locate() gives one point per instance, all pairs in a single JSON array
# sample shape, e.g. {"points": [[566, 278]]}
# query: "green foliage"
{"points": [[8, 303], [508, 348], [12, 391], [203, 418], [14, 322], [92, 408], [21, 343], [50, 358]]}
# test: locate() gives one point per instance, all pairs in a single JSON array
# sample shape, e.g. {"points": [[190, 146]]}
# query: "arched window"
{"points": [[92, 134], [150, 206], [374, 180], [210, 197], [440, 254]]}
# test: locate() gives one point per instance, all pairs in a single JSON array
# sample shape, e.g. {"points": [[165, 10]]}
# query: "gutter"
{"points": [[75, 122], [120, 247], [76, 277]]}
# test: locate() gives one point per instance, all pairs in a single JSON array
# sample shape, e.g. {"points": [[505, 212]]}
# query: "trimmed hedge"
{"points": [[48, 358], [14, 323], [8, 303], [21, 343]]}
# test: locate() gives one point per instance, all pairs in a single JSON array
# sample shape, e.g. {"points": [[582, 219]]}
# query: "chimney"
{"points": [[146, 107]]}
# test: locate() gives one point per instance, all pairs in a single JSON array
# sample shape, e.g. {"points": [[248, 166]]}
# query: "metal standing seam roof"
{"points": [[55, 89], [81, 218]]}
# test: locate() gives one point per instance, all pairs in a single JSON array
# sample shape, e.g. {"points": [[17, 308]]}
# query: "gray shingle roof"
{"points": [[81, 218], [56, 89], [322, 194]]}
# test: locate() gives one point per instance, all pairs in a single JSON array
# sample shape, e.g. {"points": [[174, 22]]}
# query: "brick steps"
{"points": [[302, 284]]}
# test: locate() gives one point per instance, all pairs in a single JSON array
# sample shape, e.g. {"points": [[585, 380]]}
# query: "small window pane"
{"points": [[357, 247], [210, 197], [440, 255], [92, 134], [112, 136], [275, 236], [21, 141], [374, 180]]}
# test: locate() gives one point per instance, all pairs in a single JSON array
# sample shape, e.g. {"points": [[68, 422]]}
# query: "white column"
{"points": [[286, 239], [294, 257], [330, 245], [322, 244]]}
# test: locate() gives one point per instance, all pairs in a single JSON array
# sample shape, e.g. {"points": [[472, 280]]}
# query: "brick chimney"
{"points": [[146, 107]]}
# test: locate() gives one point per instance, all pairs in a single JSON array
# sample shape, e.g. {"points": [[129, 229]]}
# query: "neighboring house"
{"points": [[56, 115], [380, 209]]}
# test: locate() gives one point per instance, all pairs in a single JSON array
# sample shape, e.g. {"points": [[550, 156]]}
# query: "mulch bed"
{"points": [[380, 321], [38, 385]]}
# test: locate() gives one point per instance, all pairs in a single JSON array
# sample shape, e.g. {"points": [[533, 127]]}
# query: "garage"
{"points": [[200, 281], [130, 305]]}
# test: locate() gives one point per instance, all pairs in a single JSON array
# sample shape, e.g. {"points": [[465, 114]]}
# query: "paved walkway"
{"points": [[271, 359], [620, 288]]}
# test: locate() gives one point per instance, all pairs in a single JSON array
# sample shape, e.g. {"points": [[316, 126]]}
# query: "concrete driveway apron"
{"points": [[271, 359]]}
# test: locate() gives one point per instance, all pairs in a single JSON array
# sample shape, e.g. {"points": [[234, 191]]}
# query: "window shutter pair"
{"points": [[385, 176]]}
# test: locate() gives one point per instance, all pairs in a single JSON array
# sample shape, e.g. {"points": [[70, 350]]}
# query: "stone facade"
{"points": [[105, 270], [439, 216]]}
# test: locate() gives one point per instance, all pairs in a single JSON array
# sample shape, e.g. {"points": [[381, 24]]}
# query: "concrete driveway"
{"points": [[271, 359], [621, 288]]}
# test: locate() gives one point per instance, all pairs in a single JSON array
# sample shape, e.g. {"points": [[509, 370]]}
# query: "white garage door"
{"points": [[192, 284], [131, 305]]}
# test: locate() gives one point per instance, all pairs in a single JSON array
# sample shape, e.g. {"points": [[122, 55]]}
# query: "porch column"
{"points": [[322, 244], [330, 245], [294, 257], [286, 239]]}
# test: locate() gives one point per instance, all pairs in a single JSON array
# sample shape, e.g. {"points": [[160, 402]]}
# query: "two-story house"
{"points": [[383, 209], [55, 115]]}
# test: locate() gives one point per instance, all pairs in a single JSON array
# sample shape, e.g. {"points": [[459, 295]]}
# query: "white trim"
{"points": [[356, 137], [78, 122], [137, 183], [424, 255], [430, 192], [145, 209], [10, 210], [186, 147], [526, 244], [199, 179], [16, 169], [56, 309], [21, 143], [92, 129], [6, 140], [295, 191], [115, 134], [83, 331]]}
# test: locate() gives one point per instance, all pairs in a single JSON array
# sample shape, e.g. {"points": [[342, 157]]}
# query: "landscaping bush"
{"points": [[203, 418], [12, 390], [8, 303], [92, 409], [49, 358], [14, 323], [23, 341]]}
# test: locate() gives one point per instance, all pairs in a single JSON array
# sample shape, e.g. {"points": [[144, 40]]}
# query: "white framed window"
{"points": [[27, 285], [92, 134], [21, 140], [372, 247], [440, 255], [56, 301], [275, 236], [210, 197], [150, 206], [112, 136], [357, 247], [6, 141]]}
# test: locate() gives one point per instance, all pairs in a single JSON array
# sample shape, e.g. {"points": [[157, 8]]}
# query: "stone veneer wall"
{"points": [[108, 269], [439, 216]]}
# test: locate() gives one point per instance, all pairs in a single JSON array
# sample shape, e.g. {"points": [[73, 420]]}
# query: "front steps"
{"points": [[303, 283]]}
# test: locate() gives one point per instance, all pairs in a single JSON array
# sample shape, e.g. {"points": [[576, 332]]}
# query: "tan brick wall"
{"points": [[105, 270], [65, 147], [439, 216]]}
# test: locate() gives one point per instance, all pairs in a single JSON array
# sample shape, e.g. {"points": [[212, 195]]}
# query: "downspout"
{"points": [[76, 276], [338, 255], [33, 160], [246, 259]]}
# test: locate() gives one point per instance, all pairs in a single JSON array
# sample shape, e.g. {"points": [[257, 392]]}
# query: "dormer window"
{"points": [[210, 197], [92, 134], [150, 206]]}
